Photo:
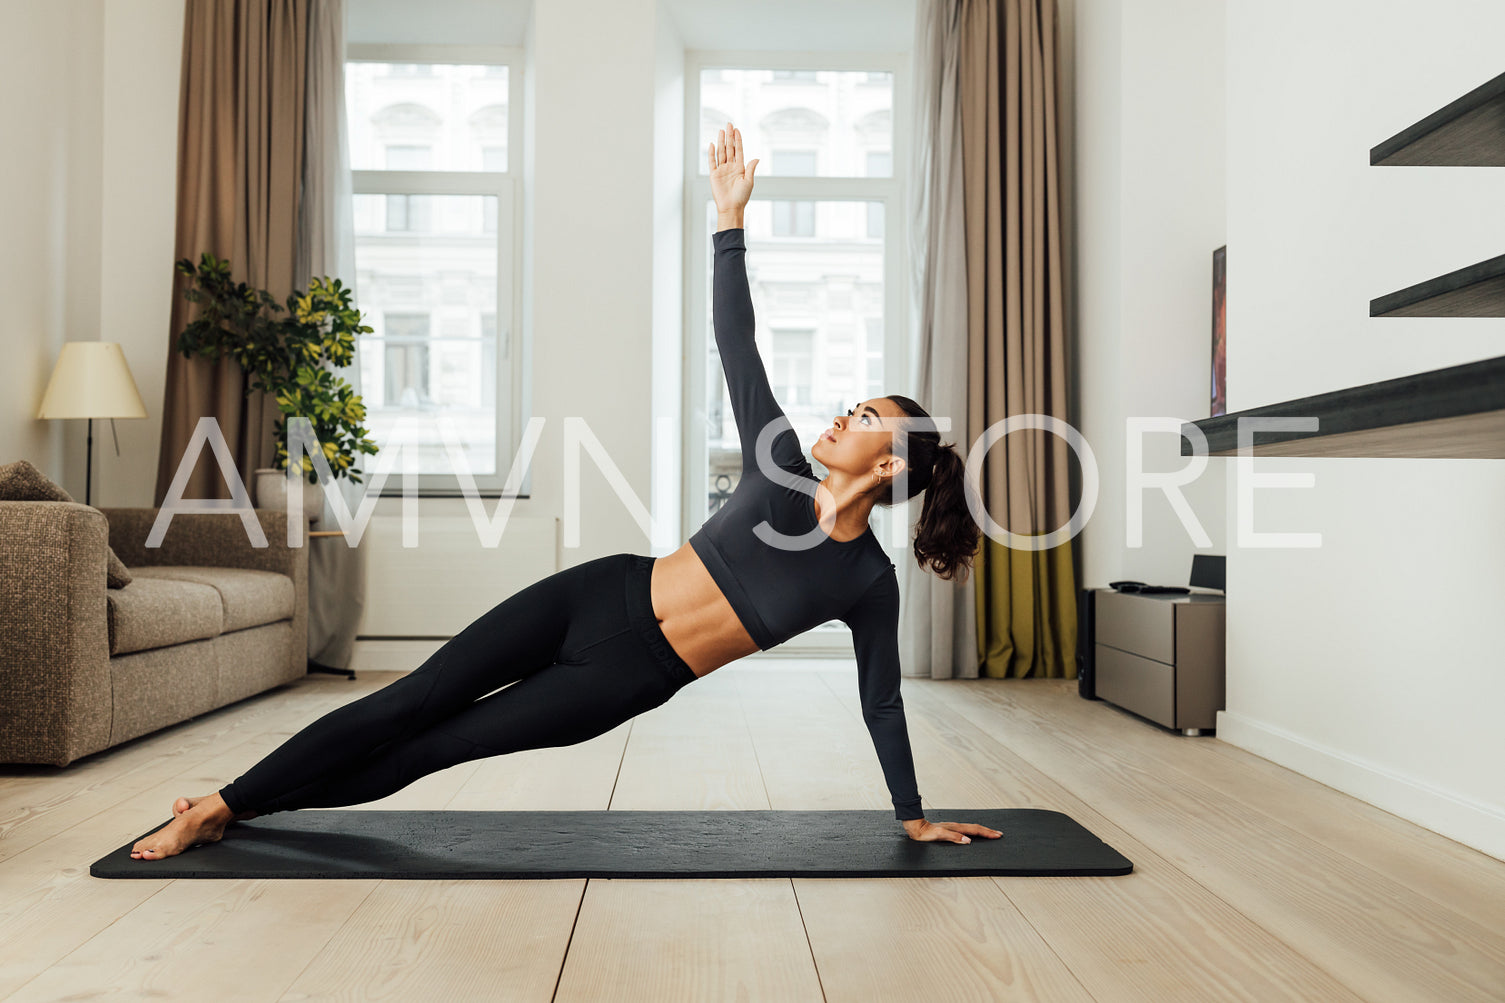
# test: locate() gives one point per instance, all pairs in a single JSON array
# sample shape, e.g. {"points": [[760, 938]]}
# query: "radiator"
{"points": [[449, 579]]}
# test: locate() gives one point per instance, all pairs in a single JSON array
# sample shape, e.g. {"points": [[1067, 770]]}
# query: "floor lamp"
{"points": [[91, 380]]}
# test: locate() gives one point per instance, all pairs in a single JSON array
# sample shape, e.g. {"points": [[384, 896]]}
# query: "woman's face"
{"points": [[860, 439]]}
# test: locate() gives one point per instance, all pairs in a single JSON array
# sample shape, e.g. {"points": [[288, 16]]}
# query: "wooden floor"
{"points": [[1250, 883]]}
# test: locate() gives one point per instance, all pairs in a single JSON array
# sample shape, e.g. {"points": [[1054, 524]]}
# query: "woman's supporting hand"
{"points": [[923, 831], [731, 182]]}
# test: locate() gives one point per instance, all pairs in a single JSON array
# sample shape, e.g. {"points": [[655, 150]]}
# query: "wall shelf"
{"points": [[1452, 413], [1469, 132], [1475, 291]]}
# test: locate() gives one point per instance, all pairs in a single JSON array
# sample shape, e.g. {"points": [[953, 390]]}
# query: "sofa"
{"points": [[206, 620]]}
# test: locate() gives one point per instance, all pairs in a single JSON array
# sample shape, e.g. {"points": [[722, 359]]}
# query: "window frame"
{"points": [[512, 345], [832, 639]]}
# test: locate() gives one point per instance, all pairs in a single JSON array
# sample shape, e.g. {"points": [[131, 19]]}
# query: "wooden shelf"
{"points": [[1469, 132], [1453, 413], [1475, 291]]}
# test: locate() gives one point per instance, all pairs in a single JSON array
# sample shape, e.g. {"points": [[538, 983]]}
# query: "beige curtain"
{"points": [[240, 166], [938, 629], [1013, 360], [326, 246]]}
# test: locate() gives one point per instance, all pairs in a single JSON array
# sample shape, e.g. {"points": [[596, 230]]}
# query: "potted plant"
{"points": [[286, 352]]}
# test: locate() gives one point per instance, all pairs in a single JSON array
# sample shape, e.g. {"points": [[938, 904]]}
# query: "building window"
{"points": [[433, 233], [793, 219], [879, 165], [405, 360], [409, 213], [409, 158], [790, 367]]}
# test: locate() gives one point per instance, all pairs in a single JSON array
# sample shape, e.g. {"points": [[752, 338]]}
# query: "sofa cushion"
{"points": [[154, 613], [249, 598], [20, 481]]}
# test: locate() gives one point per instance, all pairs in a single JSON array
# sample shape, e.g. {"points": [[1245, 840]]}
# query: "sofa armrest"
{"points": [[55, 696], [217, 539]]}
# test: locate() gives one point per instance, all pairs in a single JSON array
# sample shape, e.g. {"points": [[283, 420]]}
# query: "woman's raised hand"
{"points": [[731, 182]]}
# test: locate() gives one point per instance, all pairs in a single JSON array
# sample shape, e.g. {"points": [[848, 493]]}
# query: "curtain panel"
{"points": [[264, 181], [241, 126], [987, 242]]}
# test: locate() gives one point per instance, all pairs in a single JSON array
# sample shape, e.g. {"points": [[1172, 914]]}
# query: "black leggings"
{"points": [[581, 648]]}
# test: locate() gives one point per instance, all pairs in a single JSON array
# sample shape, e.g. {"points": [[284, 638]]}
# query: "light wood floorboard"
{"points": [[1155, 934], [1377, 936], [1251, 882]]}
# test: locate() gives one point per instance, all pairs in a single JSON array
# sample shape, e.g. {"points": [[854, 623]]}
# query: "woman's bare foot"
{"points": [[183, 804], [203, 822]]}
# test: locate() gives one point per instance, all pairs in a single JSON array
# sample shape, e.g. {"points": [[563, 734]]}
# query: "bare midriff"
{"points": [[695, 616]]}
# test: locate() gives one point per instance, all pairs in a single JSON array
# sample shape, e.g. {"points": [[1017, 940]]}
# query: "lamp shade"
{"points": [[91, 380]]}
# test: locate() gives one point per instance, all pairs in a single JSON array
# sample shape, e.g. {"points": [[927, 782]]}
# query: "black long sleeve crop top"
{"points": [[783, 586]]}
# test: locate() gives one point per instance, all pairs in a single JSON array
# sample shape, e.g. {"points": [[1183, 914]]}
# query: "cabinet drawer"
{"points": [[1142, 685], [1137, 624]]}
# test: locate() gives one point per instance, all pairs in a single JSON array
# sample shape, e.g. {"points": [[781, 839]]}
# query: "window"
{"points": [[409, 158], [792, 163], [408, 213], [789, 369], [407, 70], [818, 258], [434, 207], [879, 165], [793, 219], [874, 353], [825, 127]]}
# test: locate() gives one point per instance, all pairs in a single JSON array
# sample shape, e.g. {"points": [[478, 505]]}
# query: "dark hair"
{"points": [[947, 536]]}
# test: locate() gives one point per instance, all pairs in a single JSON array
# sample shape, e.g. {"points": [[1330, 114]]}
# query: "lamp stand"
{"points": [[89, 465]]}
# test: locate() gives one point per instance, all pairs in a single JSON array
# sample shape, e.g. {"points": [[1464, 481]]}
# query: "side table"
{"points": [[314, 666], [1161, 656]]}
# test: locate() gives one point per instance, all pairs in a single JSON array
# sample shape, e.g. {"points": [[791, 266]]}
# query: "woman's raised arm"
{"points": [[753, 403]]}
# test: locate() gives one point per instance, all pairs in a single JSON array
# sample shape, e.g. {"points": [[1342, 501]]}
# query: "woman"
{"points": [[594, 645]]}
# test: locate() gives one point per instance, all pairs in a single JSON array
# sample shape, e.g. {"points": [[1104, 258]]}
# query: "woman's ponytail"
{"points": [[947, 536]]}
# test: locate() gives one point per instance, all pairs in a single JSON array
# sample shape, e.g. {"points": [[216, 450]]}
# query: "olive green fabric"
{"points": [[1026, 611]]}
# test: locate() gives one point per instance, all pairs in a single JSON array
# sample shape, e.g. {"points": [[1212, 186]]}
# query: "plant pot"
{"points": [[271, 492]]}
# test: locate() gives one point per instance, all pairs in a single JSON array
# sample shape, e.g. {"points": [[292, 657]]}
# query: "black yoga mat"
{"points": [[625, 844]]}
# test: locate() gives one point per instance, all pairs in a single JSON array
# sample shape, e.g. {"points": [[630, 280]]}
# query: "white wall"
{"points": [[668, 282], [1149, 192], [795, 25], [1374, 662], [50, 174], [143, 46]]}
